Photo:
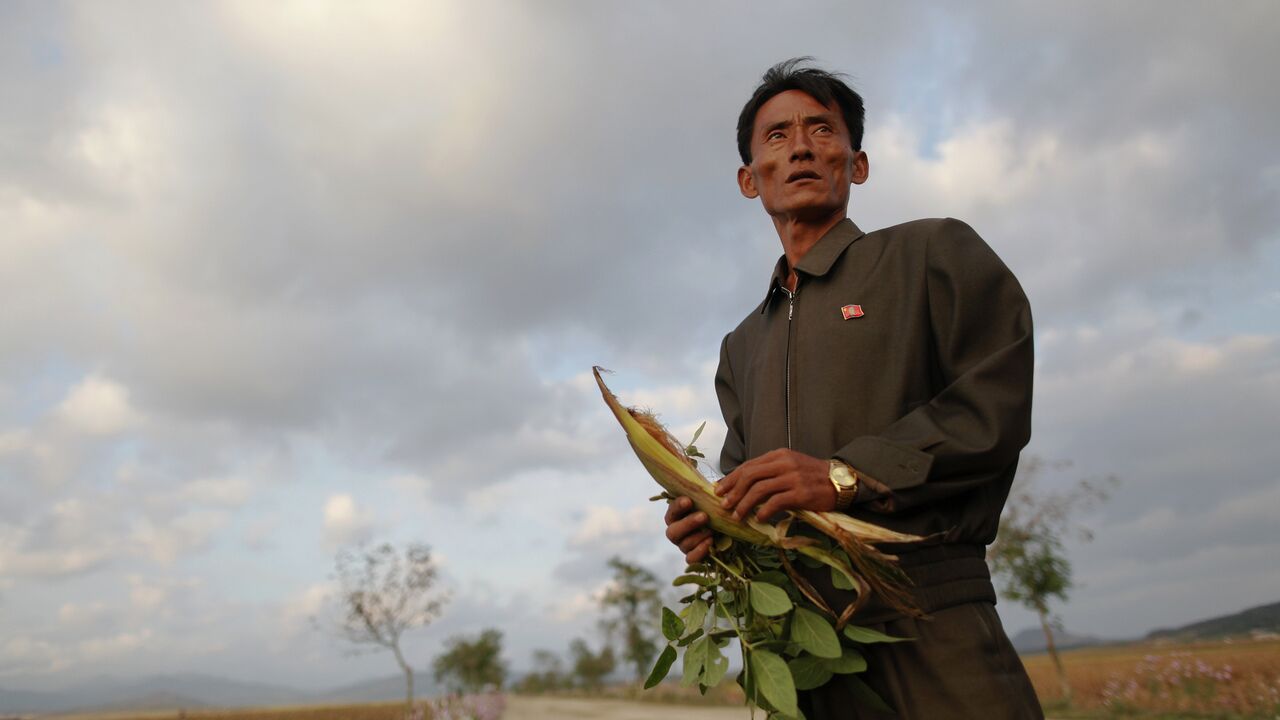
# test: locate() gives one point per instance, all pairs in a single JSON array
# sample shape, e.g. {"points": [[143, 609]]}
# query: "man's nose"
{"points": [[801, 148]]}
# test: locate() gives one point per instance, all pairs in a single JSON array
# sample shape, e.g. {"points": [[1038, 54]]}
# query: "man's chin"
{"points": [[815, 210]]}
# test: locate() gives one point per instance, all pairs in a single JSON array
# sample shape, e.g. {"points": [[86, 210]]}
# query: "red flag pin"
{"points": [[851, 311]]}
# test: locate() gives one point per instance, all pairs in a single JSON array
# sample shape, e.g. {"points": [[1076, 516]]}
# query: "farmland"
{"points": [[1204, 679], [1193, 680]]}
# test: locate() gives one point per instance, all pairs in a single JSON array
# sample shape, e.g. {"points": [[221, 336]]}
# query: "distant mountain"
{"points": [[386, 688], [1264, 618], [171, 691], [1032, 641]]}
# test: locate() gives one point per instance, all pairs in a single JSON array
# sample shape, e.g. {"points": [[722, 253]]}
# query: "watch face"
{"points": [[841, 476]]}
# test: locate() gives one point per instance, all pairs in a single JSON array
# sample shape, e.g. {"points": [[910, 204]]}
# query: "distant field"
{"points": [[518, 708], [1204, 679], [1196, 680]]}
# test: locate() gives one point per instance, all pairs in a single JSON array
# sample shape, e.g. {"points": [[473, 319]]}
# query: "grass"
{"points": [[1190, 681], [366, 711], [1226, 680]]}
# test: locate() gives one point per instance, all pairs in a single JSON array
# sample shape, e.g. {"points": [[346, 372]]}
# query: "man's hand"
{"points": [[688, 531], [778, 480]]}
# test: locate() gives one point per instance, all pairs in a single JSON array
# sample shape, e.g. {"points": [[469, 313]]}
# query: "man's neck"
{"points": [[798, 238]]}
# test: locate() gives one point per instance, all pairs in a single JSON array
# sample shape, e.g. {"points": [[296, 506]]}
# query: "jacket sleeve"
{"points": [[734, 451], [972, 430]]}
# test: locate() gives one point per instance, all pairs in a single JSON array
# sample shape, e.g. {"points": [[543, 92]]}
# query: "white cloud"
{"points": [[602, 526], [166, 540], [19, 559], [578, 606], [146, 597], [230, 492], [98, 406], [298, 611], [345, 522], [99, 649], [78, 614], [25, 654]]}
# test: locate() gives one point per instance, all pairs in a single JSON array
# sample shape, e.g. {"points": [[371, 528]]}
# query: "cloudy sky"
{"points": [[280, 277]]}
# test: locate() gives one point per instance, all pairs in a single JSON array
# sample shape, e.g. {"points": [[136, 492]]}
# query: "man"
{"points": [[887, 375]]}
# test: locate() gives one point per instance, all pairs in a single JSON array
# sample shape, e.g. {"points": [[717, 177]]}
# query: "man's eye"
{"points": [[776, 135], [824, 129]]}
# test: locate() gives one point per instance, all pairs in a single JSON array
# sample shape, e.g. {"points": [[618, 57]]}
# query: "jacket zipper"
{"points": [[786, 411]]}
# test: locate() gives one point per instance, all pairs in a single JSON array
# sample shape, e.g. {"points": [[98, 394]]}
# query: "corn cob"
{"points": [[868, 570]]}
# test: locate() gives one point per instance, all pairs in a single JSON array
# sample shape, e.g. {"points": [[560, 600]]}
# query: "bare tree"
{"points": [[1028, 553], [383, 593]]}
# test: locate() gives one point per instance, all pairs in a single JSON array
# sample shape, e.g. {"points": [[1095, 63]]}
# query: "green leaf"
{"points": [[697, 633], [866, 636], [772, 676], [808, 672], [694, 614], [866, 696], [692, 579], [850, 662], [768, 561], [661, 668], [769, 599], [773, 577], [672, 625], [698, 568], [812, 632], [723, 542], [717, 666], [698, 433], [840, 580], [695, 658]]}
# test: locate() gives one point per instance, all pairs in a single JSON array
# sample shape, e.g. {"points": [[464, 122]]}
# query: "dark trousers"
{"points": [[960, 665]]}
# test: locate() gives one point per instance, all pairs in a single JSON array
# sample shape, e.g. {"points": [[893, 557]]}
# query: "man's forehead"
{"points": [[791, 104]]}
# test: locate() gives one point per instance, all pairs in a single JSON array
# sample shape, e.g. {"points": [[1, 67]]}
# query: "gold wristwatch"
{"points": [[845, 480]]}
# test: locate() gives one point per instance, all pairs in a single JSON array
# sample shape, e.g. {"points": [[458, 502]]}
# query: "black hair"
{"points": [[823, 86]]}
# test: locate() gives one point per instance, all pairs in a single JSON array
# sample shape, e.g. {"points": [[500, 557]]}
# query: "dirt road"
{"points": [[544, 708]]}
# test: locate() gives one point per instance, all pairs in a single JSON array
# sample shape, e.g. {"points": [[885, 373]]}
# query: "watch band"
{"points": [[845, 480]]}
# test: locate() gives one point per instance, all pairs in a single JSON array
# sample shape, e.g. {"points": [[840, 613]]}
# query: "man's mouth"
{"points": [[803, 175]]}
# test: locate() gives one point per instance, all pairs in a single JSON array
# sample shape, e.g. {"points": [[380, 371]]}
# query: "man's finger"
{"points": [[677, 509], [699, 553], [691, 542], [748, 475], [730, 481], [759, 492], [778, 502], [686, 526]]}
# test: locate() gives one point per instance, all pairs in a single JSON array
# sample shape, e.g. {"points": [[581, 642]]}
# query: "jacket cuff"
{"points": [[894, 466]]}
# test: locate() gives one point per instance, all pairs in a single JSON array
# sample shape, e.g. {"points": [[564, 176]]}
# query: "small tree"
{"points": [[472, 665], [632, 605], [591, 668], [1028, 553], [548, 674], [385, 593]]}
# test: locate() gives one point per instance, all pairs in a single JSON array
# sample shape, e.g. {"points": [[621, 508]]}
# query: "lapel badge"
{"points": [[851, 311]]}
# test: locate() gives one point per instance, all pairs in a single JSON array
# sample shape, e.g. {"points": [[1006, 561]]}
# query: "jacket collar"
{"points": [[818, 261]]}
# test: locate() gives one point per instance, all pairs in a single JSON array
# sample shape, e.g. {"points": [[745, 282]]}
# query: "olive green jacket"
{"points": [[906, 353]]}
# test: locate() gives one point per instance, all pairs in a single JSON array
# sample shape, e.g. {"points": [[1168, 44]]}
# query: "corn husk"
{"points": [[869, 570]]}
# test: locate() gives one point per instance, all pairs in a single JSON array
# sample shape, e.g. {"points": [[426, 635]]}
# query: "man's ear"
{"points": [[747, 183], [861, 168]]}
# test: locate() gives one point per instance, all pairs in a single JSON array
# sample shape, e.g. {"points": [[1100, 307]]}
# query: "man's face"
{"points": [[802, 163]]}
